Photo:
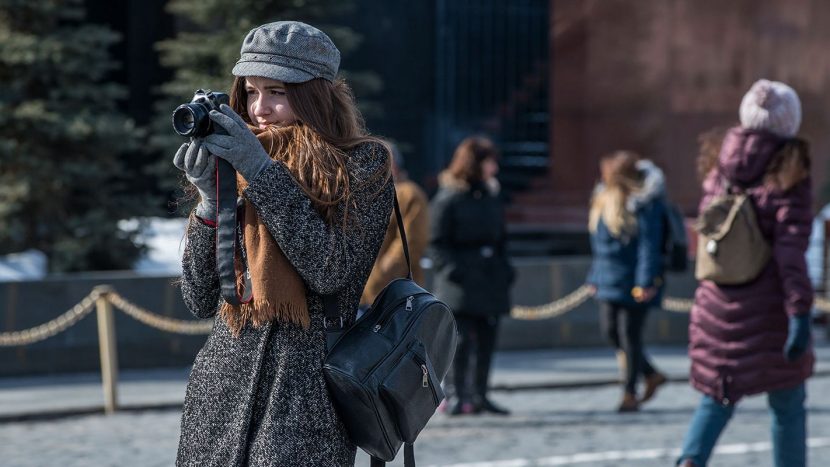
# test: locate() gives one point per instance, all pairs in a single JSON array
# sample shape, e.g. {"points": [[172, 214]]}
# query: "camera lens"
{"points": [[191, 120], [187, 120]]}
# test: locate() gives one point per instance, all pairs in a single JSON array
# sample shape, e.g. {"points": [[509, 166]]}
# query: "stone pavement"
{"points": [[45, 397], [562, 402]]}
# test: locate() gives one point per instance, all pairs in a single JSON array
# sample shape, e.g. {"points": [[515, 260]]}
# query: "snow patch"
{"points": [[26, 265], [164, 239]]}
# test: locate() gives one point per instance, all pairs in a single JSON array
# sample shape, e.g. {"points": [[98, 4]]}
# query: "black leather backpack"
{"points": [[384, 373]]}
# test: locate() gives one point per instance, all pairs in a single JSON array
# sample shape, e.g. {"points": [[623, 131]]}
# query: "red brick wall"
{"points": [[651, 75]]}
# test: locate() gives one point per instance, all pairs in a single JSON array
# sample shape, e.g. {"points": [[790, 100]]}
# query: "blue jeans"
{"points": [[789, 428]]}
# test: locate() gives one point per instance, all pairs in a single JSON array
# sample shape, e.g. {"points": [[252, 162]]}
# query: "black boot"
{"points": [[462, 408], [487, 406]]}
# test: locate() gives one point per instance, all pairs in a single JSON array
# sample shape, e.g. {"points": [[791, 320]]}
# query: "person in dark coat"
{"points": [[626, 225], [316, 196], [755, 337], [472, 271]]}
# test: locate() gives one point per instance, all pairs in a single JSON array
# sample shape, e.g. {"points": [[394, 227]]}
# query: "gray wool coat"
{"points": [[260, 399]]}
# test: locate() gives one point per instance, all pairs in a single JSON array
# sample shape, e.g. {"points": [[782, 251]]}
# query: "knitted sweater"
{"points": [[260, 399]]}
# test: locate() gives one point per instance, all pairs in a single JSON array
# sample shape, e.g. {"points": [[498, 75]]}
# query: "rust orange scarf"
{"points": [[279, 292]]}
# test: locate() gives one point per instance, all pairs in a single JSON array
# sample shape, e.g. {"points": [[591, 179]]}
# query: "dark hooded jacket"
{"points": [[620, 264], [467, 246], [737, 333]]}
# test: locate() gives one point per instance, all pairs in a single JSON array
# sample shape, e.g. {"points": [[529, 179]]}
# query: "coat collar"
{"points": [[745, 155], [654, 186], [447, 180]]}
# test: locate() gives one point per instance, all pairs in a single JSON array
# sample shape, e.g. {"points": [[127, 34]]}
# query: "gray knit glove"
{"points": [[199, 167], [239, 147]]}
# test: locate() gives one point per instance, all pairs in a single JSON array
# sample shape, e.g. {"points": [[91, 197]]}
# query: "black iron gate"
{"points": [[491, 77]]}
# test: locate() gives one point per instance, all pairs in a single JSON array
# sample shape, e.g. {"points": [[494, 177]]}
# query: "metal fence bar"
{"points": [[108, 349]]}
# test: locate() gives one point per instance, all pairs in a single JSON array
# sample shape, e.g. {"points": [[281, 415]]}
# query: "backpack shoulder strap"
{"points": [[738, 204], [728, 187], [332, 321], [408, 457], [402, 231]]}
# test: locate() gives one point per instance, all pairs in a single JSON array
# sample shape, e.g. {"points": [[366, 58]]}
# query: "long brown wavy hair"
{"points": [[328, 125], [468, 157], [788, 167], [709, 144], [620, 178]]}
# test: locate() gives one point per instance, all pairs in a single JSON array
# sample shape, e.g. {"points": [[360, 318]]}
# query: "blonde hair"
{"points": [[620, 178]]}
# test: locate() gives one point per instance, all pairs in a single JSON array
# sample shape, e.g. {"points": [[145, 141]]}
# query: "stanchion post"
{"points": [[108, 349]]}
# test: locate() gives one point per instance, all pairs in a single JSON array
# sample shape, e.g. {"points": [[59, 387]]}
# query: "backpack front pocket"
{"points": [[412, 391]]}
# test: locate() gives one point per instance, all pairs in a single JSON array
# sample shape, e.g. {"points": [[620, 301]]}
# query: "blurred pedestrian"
{"points": [[316, 197], [754, 337], [391, 262], [472, 271], [626, 222]]}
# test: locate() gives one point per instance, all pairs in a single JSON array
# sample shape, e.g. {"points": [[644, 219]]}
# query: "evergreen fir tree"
{"points": [[63, 143], [207, 47]]}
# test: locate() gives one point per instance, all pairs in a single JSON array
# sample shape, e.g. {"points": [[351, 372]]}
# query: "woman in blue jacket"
{"points": [[626, 225]]}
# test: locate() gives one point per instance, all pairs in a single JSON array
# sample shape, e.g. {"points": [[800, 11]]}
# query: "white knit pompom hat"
{"points": [[771, 106]]}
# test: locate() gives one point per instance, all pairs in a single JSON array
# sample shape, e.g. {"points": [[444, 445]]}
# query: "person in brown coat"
{"points": [[391, 262]]}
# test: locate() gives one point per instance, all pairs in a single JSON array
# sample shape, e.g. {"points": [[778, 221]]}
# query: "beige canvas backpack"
{"points": [[731, 249]]}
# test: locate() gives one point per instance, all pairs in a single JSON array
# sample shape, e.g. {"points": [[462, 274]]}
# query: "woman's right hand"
{"points": [[199, 166], [643, 294]]}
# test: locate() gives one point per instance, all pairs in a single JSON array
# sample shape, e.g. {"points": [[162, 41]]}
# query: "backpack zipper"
{"points": [[425, 379], [405, 333], [385, 318]]}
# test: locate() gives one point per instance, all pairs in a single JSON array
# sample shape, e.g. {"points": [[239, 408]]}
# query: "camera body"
{"points": [[192, 119]]}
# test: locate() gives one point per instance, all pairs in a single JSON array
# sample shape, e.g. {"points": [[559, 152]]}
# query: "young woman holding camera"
{"points": [[317, 199]]}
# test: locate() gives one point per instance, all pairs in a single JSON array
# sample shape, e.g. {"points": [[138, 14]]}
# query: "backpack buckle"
{"points": [[328, 324]]}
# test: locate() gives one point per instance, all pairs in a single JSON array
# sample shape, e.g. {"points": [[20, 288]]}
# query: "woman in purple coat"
{"points": [[755, 337]]}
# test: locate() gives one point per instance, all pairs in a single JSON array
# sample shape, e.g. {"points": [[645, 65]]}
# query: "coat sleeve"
{"points": [[200, 281], [326, 256], [510, 271], [416, 221], [414, 209], [649, 245], [793, 224], [441, 234], [591, 278]]}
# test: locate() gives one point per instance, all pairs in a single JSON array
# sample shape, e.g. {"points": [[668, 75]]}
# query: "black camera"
{"points": [[192, 119]]}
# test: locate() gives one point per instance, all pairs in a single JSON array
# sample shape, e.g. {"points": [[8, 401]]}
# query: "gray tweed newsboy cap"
{"points": [[288, 51]]}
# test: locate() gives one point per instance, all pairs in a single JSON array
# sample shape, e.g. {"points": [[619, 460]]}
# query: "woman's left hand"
{"points": [[240, 147]]}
